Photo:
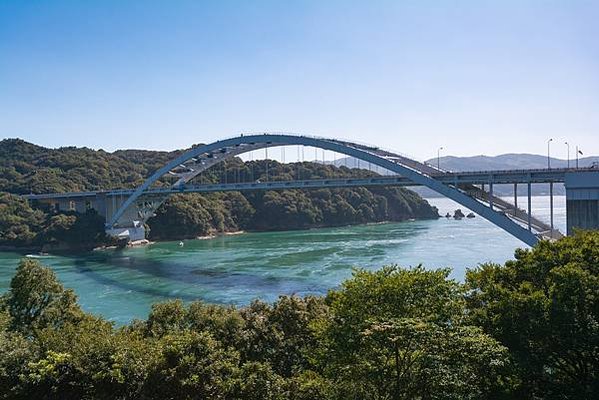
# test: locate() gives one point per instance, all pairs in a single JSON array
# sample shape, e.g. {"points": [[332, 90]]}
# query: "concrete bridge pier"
{"points": [[132, 230], [582, 200], [130, 233]]}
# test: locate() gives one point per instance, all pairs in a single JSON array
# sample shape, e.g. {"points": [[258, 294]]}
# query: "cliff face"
{"points": [[27, 168]]}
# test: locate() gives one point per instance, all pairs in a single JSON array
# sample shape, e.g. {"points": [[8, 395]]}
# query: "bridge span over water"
{"points": [[126, 210]]}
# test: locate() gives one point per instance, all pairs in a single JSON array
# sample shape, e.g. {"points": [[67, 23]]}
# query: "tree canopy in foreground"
{"points": [[528, 329]]}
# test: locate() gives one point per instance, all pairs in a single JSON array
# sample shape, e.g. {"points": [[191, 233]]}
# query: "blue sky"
{"points": [[477, 77]]}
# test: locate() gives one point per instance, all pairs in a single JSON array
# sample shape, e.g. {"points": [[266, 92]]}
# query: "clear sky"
{"points": [[477, 77]]}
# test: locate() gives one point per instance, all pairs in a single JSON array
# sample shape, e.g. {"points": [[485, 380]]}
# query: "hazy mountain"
{"points": [[507, 161]]}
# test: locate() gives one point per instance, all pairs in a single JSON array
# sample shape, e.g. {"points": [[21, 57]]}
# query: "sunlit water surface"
{"points": [[121, 285]]}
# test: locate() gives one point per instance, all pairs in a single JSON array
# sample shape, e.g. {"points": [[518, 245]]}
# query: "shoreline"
{"points": [[31, 250], [212, 236]]}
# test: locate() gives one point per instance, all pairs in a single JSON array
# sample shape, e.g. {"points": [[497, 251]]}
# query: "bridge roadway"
{"points": [[493, 177], [464, 180]]}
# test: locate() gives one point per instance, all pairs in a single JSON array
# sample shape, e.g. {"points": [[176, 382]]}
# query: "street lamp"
{"points": [[548, 157], [438, 157], [577, 153], [567, 144]]}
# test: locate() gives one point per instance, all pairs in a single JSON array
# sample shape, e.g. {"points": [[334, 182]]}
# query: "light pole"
{"points": [[439, 158], [577, 153], [567, 144], [548, 156]]}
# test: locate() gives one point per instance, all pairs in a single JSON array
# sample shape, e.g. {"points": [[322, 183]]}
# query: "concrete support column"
{"points": [[515, 199], [582, 200], [529, 207], [551, 206]]}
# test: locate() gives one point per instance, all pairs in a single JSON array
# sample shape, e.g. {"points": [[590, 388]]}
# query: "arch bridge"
{"points": [[127, 210]]}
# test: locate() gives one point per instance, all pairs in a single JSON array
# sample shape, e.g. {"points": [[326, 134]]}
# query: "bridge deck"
{"points": [[451, 178]]}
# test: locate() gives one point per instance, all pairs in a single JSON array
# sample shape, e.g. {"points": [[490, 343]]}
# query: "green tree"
{"points": [[282, 334], [400, 334], [166, 317], [544, 306], [309, 385], [15, 353], [52, 377], [36, 299], [191, 365], [256, 381], [76, 359], [414, 358], [223, 323], [19, 223]]}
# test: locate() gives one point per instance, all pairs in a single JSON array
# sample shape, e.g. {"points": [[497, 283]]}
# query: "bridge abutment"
{"points": [[131, 233], [582, 200]]}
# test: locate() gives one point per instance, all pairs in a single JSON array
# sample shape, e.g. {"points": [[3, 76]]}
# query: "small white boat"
{"points": [[181, 244]]}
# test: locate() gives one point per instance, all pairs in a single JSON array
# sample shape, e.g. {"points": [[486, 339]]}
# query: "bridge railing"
{"points": [[523, 171]]}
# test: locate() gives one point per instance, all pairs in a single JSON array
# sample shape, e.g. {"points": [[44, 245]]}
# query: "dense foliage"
{"points": [[191, 215], [27, 168], [544, 306], [23, 226], [525, 330]]}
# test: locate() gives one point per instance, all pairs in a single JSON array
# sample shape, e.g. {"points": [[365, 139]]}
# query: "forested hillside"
{"points": [[27, 168]]}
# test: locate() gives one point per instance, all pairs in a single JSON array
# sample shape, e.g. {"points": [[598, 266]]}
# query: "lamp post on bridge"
{"points": [[439, 157], [548, 156], [567, 144], [577, 153]]}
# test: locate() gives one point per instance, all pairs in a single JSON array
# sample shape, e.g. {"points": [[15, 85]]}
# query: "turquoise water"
{"points": [[121, 285]]}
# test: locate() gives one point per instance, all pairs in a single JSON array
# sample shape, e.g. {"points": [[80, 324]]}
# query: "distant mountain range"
{"points": [[486, 163], [507, 161]]}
